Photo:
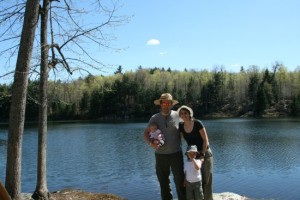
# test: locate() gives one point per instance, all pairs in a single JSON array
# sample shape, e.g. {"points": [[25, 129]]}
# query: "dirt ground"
{"points": [[81, 195], [76, 195]]}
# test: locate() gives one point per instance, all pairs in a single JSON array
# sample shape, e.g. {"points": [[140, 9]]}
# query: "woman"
{"points": [[194, 133]]}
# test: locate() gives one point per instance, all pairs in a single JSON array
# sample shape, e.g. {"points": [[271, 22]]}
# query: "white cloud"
{"points": [[153, 42], [162, 53], [236, 65]]}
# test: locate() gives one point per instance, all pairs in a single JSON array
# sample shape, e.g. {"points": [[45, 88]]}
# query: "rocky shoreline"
{"points": [[81, 195]]}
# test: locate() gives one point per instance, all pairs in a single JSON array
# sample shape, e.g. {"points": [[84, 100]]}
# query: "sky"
{"points": [[203, 35]]}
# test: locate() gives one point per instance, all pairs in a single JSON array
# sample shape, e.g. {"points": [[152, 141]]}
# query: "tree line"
{"points": [[130, 95]]}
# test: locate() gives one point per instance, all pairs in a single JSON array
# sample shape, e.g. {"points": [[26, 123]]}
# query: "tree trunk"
{"points": [[41, 191], [18, 103]]}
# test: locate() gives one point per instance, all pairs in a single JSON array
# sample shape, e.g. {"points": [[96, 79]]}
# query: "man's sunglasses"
{"points": [[165, 103]]}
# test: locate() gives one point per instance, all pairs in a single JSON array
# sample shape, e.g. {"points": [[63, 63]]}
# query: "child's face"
{"points": [[192, 155], [153, 128]]}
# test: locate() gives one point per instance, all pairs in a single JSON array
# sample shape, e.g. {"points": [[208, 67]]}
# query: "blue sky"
{"points": [[201, 34]]}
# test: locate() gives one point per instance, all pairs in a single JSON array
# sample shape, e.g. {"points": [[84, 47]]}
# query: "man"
{"points": [[169, 156]]}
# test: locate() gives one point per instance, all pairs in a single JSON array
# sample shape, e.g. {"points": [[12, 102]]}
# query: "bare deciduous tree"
{"points": [[73, 29], [59, 58], [41, 191], [18, 104]]}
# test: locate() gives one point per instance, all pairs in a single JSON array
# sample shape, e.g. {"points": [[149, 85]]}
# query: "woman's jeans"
{"points": [[207, 178]]}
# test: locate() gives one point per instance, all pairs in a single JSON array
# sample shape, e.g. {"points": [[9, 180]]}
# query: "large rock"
{"points": [[229, 196]]}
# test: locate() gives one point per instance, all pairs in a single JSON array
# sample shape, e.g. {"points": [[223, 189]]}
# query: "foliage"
{"points": [[5, 101], [131, 94], [295, 107]]}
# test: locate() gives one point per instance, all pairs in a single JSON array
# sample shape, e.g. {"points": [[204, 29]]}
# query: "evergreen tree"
{"points": [[119, 70], [253, 87], [295, 106], [95, 104], [84, 104], [5, 100], [261, 101], [32, 103]]}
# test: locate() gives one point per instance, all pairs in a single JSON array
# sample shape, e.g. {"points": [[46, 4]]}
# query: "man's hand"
{"points": [[153, 145]]}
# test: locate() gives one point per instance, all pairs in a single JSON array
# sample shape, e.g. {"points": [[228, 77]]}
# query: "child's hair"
{"points": [[153, 124]]}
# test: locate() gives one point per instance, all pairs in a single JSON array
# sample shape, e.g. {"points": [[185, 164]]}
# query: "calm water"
{"points": [[255, 158]]}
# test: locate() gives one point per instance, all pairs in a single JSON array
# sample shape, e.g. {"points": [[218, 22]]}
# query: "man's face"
{"points": [[166, 106]]}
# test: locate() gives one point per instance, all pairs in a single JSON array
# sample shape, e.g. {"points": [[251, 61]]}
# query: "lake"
{"points": [[258, 158]]}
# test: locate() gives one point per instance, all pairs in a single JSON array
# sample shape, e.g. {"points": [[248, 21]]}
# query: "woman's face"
{"points": [[184, 115]]}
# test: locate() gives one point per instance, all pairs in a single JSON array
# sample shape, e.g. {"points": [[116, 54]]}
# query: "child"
{"points": [[192, 171], [156, 135]]}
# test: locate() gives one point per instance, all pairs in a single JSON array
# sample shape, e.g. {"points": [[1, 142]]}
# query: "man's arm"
{"points": [[147, 139], [146, 136]]}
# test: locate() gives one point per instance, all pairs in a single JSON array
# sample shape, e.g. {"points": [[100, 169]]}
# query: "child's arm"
{"points": [[197, 164]]}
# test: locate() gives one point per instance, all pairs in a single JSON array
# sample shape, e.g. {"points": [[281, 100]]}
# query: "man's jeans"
{"points": [[164, 164]]}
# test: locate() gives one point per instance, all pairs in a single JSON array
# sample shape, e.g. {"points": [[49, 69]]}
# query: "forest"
{"points": [[248, 93]]}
